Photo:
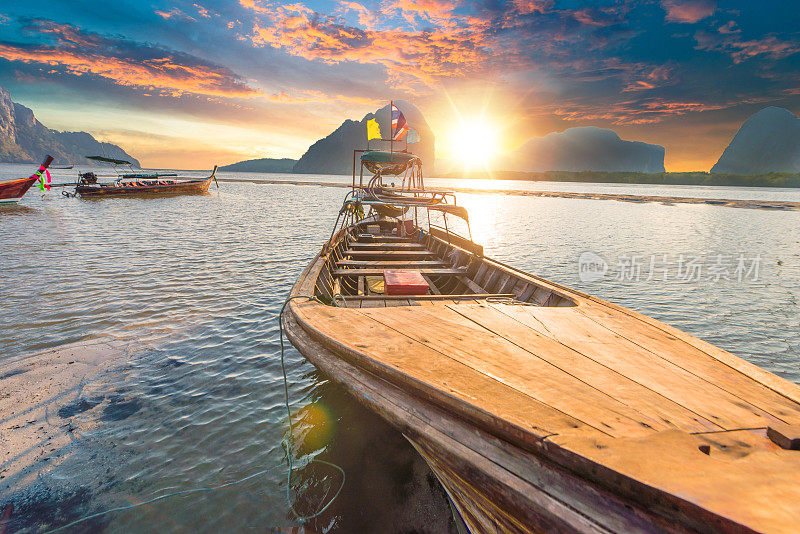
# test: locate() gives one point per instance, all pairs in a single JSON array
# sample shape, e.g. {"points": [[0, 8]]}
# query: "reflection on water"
{"points": [[196, 283]]}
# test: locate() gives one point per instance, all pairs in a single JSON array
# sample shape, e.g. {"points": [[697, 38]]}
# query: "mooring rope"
{"points": [[300, 518]]}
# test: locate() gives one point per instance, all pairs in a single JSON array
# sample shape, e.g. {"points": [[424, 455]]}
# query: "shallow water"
{"points": [[197, 282]]}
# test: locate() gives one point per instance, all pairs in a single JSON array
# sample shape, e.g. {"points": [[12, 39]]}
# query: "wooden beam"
{"points": [[386, 246], [472, 285], [390, 254], [471, 296], [392, 264], [432, 285], [379, 272]]}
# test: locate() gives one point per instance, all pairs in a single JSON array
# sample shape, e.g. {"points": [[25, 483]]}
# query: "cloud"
{"points": [[768, 46], [126, 63], [688, 11], [526, 7], [646, 111], [660, 76], [729, 27], [408, 55], [438, 12]]}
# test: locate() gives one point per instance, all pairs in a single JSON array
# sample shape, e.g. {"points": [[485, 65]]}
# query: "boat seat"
{"points": [[392, 264], [390, 254], [386, 246], [430, 298], [379, 272]]}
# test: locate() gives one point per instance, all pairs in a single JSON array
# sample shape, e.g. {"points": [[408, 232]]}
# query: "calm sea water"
{"points": [[196, 284]]}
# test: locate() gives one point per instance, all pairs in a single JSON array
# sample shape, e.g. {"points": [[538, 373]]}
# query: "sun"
{"points": [[474, 144]]}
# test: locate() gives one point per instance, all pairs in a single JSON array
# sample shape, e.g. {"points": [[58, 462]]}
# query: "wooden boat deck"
{"points": [[620, 399]]}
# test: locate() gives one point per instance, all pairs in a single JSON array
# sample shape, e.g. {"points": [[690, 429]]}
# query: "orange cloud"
{"points": [[155, 69], [439, 12], [688, 11], [649, 111], [422, 56], [769, 46], [526, 7]]}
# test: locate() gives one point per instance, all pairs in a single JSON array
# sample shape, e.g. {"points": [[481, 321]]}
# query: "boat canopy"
{"points": [[458, 211], [382, 162], [109, 160]]}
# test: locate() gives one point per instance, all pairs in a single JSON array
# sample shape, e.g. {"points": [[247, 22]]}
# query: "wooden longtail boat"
{"points": [[143, 184], [12, 191], [538, 407]]}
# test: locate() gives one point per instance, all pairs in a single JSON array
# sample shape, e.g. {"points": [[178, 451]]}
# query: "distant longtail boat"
{"points": [[139, 184]]}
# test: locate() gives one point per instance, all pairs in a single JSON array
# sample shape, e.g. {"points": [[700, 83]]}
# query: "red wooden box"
{"points": [[405, 282]]}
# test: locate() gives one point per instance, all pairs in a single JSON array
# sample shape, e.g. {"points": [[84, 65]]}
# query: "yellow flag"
{"points": [[373, 130]]}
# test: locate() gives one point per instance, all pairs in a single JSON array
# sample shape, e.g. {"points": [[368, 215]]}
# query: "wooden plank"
{"points": [[627, 391], [481, 272], [457, 338], [547, 487], [687, 356], [458, 241], [506, 283], [434, 289], [371, 303], [491, 280], [392, 264], [396, 302], [386, 246], [391, 255], [472, 285], [417, 368], [527, 292], [576, 331], [362, 289], [465, 297], [379, 272], [386, 239]]}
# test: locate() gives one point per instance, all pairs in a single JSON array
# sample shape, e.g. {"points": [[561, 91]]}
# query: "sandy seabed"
{"points": [[40, 395]]}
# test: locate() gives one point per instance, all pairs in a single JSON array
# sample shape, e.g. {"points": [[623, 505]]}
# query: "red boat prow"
{"points": [[12, 191]]}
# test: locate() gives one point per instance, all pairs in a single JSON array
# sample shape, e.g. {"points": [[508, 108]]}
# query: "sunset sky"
{"points": [[192, 83]]}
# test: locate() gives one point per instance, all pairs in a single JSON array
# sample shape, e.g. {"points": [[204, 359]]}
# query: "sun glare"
{"points": [[474, 144]]}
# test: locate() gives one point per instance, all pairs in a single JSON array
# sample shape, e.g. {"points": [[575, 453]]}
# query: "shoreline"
{"points": [[773, 205]]}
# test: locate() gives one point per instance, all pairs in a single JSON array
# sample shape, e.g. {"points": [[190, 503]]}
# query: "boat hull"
{"points": [[493, 486], [550, 409], [12, 191]]}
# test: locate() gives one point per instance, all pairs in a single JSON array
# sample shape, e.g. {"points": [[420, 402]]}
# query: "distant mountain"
{"points": [[587, 149], [261, 165], [769, 141], [23, 139], [334, 153]]}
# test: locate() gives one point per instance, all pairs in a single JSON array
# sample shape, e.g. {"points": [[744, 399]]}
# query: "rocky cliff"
{"points": [[23, 139], [334, 153], [769, 141], [587, 149]]}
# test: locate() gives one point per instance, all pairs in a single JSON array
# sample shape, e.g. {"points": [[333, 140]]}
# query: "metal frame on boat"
{"points": [[537, 406]]}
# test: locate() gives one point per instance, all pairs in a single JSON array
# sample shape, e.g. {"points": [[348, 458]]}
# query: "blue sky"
{"points": [[218, 81]]}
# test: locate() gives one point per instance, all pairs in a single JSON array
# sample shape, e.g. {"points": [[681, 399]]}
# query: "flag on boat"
{"points": [[399, 124], [413, 136], [373, 130]]}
